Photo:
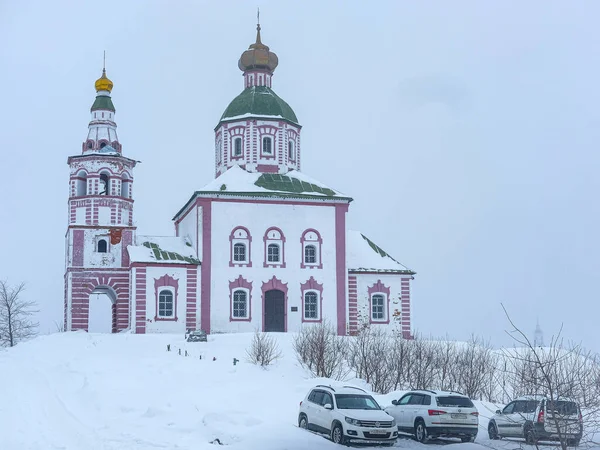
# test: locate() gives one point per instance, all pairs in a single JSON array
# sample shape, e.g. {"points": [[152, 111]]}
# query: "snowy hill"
{"points": [[80, 391]]}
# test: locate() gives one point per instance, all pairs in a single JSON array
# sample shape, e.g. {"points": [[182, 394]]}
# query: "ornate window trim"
{"points": [[240, 235], [160, 284], [313, 286], [273, 239], [240, 284], [237, 132], [311, 236], [379, 289]]}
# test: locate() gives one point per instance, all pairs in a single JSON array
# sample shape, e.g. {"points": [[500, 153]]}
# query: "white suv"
{"points": [[349, 415], [535, 417], [427, 414]]}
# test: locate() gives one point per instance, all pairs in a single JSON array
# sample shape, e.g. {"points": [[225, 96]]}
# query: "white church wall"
{"points": [[390, 285], [169, 278], [292, 220], [188, 227]]}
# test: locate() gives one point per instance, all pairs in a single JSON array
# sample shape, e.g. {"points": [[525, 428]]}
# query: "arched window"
{"points": [[125, 186], [102, 246], [237, 146], [239, 252], [90, 144], [165, 303], [311, 249], [310, 254], [274, 248], [81, 184], [267, 145], [240, 304], [104, 184], [291, 150], [273, 253], [312, 298], [379, 295], [311, 305], [103, 144]]}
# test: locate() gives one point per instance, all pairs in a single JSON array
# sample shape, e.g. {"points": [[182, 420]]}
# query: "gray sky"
{"points": [[465, 131]]}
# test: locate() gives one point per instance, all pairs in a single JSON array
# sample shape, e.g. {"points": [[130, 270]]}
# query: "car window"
{"points": [[508, 409], [404, 400], [427, 399], [562, 407], [355, 401], [455, 400], [326, 399], [416, 399], [317, 396]]}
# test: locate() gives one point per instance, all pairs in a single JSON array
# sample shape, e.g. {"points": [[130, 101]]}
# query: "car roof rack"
{"points": [[427, 390], [355, 387], [328, 387], [456, 392]]}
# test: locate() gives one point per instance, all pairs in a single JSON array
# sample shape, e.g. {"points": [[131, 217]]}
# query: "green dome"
{"points": [[259, 101]]}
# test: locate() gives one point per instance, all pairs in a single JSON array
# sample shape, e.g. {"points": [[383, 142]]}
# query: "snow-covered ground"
{"points": [[80, 391]]}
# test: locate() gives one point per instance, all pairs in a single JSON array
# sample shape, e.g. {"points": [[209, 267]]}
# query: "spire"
{"points": [[258, 55], [538, 337], [103, 83]]}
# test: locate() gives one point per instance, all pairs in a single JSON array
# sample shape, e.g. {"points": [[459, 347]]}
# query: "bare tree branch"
{"points": [[16, 324]]}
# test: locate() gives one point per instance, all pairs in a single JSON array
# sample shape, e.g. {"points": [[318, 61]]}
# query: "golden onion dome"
{"points": [[103, 83], [258, 56]]}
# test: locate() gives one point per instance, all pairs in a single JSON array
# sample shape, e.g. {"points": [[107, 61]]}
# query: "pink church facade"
{"points": [[262, 246]]}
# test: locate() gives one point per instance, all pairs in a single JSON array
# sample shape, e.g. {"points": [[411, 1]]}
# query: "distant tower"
{"points": [[258, 131], [100, 225], [538, 337]]}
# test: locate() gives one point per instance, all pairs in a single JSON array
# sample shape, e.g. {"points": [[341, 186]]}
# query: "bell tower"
{"points": [[100, 224]]}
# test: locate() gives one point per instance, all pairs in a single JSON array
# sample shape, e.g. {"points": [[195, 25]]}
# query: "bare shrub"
{"points": [[370, 356], [263, 349], [16, 324], [320, 350]]}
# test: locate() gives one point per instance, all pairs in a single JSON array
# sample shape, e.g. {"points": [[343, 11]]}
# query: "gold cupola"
{"points": [[103, 83], [258, 56]]}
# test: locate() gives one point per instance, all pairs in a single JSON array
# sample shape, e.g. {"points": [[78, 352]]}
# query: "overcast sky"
{"points": [[466, 132]]}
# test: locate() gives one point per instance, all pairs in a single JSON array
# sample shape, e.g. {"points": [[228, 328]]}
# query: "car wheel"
{"points": [[493, 431], [420, 431], [303, 422], [530, 435], [337, 434]]}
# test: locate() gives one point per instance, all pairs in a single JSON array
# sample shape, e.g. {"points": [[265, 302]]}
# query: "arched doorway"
{"points": [[102, 315], [274, 311]]}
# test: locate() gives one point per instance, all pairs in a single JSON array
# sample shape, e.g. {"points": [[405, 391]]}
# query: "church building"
{"points": [[262, 246]]}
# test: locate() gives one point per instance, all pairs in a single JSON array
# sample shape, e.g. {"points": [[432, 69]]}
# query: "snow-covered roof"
{"points": [[163, 249], [363, 255], [238, 182]]}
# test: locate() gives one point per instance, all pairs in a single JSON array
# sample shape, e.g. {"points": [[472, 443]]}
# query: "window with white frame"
{"points": [[267, 145], [378, 307], [311, 249], [240, 240], [166, 304], [239, 252], [240, 304], [311, 305], [274, 248], [237, 146], [310, 254], [273, 255]]}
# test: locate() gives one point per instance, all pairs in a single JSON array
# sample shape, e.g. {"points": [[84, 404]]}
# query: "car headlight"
{"points": [[352, 421], [393, 422]]}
